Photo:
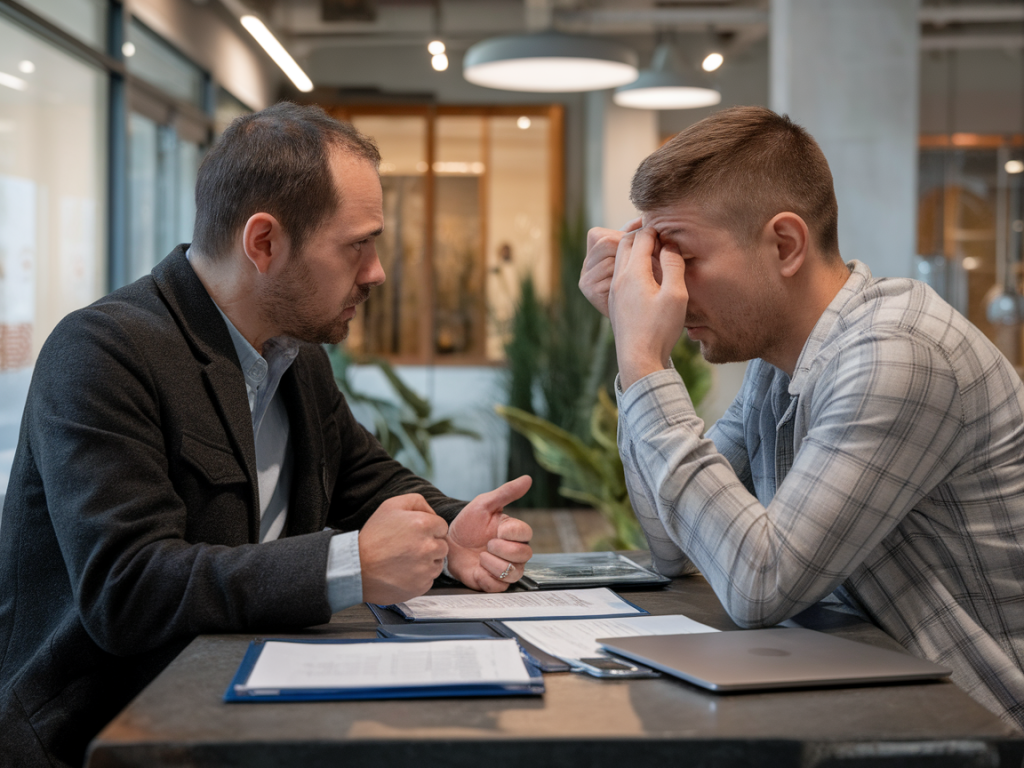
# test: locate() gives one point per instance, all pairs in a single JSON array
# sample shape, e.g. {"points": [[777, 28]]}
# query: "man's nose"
{"points": [[373, 272]]}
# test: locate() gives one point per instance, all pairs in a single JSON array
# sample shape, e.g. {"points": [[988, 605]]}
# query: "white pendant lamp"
{"points": [[666, 85], [549, 62]]}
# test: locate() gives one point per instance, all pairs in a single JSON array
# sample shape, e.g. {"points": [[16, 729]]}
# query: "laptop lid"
{"points": [[757, 659]]}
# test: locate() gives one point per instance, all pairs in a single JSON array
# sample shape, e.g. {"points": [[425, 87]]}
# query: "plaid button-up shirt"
{"points": [[889, 469]]}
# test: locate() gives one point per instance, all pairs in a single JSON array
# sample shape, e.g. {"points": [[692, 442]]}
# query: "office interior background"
{"points": [[106, 110]]}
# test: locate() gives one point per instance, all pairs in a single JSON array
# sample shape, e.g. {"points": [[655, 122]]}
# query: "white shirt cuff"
{"points": [[344, 572]]}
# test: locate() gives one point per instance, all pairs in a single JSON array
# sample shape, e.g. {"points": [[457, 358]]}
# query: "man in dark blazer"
{"points": [[187, 465]]}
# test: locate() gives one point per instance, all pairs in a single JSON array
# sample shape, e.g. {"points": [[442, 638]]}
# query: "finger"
{"points": [[633, 224], [511, 491], [642, 244], [412, 501], [598, 273], [510, 551], [601, 248], [430, 525], [623, 252], [511, 529], [496, 566], [596, 234]]}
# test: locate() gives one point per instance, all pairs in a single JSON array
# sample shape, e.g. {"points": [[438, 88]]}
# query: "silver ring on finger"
{"points": [[506, 572]]}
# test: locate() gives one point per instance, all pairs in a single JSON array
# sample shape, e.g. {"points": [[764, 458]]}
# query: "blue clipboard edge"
{"points": [[238, 692], [393, 609]]}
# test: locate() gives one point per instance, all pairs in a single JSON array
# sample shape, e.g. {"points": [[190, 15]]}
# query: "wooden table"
{"points": [[180, 719]]}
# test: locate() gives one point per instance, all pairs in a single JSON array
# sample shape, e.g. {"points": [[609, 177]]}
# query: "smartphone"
{"points": [[612, 666]]}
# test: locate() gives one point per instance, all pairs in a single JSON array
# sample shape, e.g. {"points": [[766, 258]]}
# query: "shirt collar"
{"points": [[859, 277], [254, 365]]}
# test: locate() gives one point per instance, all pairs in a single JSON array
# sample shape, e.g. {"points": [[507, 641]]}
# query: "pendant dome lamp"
{"points": [[667, 85], [549, 62]]}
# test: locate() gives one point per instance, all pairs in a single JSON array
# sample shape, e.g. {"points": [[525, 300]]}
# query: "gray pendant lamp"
{"points": [[549, 62], [668, 84]]}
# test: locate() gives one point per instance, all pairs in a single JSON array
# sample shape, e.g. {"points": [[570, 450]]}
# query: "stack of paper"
{"points": [[369, 669], [574, 639]]}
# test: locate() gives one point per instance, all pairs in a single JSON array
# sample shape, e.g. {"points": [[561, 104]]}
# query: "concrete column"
{"points": [[618, 139], [847, 71]]}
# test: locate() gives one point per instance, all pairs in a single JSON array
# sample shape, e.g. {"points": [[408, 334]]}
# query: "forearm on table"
{"points": [[768, 563]]}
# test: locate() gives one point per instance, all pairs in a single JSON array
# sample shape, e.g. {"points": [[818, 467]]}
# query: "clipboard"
{"points": [[240, 691]]}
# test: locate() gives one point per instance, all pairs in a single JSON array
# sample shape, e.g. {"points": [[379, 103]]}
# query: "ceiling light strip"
{"points": [[276, 51]]}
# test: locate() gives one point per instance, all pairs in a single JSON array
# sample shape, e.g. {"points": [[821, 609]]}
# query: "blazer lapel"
{"points": [[202, 325]]}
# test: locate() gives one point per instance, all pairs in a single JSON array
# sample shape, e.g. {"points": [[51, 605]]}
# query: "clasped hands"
{"points": [[637, 281], [403, 545]]}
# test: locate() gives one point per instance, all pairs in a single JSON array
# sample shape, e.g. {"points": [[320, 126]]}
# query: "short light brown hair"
{"points": [[744, 165], [276, 161]]}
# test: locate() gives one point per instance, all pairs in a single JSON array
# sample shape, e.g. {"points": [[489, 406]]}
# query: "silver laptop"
{"points": [[757, 659]]}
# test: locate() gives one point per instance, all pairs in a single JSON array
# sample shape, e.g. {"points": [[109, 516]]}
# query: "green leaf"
{"points": [[556, 449], [419, 406]]}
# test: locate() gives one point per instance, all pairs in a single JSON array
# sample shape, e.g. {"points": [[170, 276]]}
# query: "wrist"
{"points": [[632, 369]]}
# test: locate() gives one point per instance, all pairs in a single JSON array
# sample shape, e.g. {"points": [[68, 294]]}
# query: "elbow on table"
{"points": [[754, 614]]}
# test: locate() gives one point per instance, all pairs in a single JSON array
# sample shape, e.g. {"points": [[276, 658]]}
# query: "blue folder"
{"points": [[238, 690]]}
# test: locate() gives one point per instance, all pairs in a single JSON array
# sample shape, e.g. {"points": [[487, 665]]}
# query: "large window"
{"points": [[471, 207], [85, 19], [53, 166], [168, 132], [959, 224], [162, 168]]}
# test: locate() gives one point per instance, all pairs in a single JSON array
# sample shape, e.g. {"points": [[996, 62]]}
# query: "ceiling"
{"points": [[308, 24]]}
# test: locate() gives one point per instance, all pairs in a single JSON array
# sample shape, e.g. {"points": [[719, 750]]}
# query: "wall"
{"points": [[463, 467], [848, 72], [972, 91]]}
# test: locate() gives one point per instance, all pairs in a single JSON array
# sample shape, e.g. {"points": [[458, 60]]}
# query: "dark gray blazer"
{"points": [[131, 520]]}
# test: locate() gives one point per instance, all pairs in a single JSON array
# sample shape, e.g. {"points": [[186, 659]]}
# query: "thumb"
{"points": [[503, 495]]}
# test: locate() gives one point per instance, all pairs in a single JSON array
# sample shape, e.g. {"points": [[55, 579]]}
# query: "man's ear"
{"points": [[790, 240], [264, 242]]}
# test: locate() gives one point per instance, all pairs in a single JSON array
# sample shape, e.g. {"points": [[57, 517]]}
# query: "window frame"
{"points": [[555, 113]]}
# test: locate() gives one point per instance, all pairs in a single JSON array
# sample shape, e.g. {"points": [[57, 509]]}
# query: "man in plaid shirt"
{"points": [[876, 449]]}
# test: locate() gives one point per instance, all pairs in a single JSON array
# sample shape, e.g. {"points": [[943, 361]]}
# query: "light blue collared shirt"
{"points": [[270, 426]]}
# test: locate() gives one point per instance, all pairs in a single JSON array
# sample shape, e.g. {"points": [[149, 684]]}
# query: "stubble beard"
{"points": [[286, 305], [754, 331]]}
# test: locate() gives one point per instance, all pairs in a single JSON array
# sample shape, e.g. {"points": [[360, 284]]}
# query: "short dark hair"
{"points": [[746, 164], [275, 161]]}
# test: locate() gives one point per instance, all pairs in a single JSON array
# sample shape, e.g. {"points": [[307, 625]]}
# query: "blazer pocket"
{"points": [[216, 463]]}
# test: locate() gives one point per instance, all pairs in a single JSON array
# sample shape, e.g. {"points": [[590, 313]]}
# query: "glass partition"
{"points": [[958, 191], [156, 62], [390, 322], [471, 207], [85, 19], [53, 170], [162, 169]]}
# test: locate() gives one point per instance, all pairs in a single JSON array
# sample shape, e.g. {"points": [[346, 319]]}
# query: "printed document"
{"points": [[286, 665], [518, 605], [571, 639]]}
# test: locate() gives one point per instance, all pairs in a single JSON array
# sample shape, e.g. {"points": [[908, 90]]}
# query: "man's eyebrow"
{"points": [[376, 233]]}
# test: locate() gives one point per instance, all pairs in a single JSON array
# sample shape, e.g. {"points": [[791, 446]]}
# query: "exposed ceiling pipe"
{"points": [[941, 15], [970, 42]]}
